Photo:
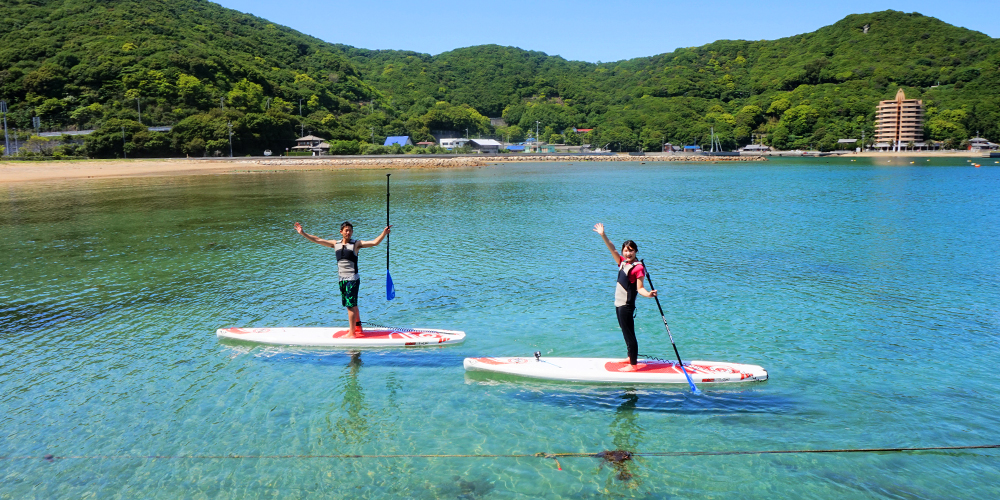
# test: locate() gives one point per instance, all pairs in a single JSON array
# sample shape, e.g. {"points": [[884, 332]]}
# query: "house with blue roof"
{"points": [[402, 140]]}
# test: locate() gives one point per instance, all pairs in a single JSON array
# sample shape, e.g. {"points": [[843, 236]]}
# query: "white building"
{"points": [[980, 144], [453, 143], [486, 145]]}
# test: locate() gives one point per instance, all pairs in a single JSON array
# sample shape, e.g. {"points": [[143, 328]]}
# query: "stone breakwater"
{"points": [[469, 161], [371, 162], [644, 159]]}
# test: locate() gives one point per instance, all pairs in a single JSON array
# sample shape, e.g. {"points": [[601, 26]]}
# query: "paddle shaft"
{"points": [[390, 288], [664, 318], [387, 221]]}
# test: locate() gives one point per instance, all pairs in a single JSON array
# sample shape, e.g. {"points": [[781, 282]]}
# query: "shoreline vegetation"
{"points": [[43, 171]]}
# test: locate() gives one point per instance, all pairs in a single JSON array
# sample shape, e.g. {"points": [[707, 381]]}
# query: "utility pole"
{"points": [[6, 140], [230, 139], [302, 126], [222, 102], [139, 108]]}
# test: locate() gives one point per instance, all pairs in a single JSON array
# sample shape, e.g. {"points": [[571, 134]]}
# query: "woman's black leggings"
{"points": [[626, 320]]}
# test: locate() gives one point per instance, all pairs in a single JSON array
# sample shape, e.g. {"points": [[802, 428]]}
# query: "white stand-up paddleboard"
{"points": [[604, 370], [337, 336]]}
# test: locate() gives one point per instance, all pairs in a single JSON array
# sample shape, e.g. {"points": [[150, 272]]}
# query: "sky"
{"points": [[585, 30]]}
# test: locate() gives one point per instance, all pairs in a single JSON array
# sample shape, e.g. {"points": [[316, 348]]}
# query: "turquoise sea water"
{"points": [[869, 290]]}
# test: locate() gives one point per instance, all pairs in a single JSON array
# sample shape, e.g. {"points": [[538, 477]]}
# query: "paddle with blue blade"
{"points": [[679, 362], [390, 288]]}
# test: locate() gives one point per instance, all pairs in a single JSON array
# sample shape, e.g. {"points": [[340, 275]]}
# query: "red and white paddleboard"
{"points": [[604, 370], [336, 337]]}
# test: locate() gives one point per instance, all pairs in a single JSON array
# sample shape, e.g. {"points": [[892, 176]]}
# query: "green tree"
{"points": [[445, 116], [572, 138], [246, 96], [511, 133], [122, 138], [800, 119], [946, 125], [620, 138]]}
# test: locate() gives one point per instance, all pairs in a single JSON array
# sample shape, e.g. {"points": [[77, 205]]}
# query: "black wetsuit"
{"points": [[625, 292]]}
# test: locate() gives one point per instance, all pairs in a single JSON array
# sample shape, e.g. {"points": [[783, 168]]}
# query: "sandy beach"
{"points": [[36, 171], [918, 154], [33, 171]]}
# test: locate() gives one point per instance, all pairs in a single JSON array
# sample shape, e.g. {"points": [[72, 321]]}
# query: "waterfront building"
{"points": [[980, 144], [312, 144], [844, 144], [453, 143], [899, 121], [488, 146], [402, 140], [755, 148]]}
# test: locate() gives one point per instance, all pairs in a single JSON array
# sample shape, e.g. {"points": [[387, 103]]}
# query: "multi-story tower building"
{"points": [[900, 121]]}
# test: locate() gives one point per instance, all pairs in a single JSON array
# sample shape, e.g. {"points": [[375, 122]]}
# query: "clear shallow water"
{"points": [[869, 291]]}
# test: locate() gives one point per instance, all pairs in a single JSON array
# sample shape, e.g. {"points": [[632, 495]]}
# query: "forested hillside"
{"points": [[191, 64], [187, 63], [804, 91]]}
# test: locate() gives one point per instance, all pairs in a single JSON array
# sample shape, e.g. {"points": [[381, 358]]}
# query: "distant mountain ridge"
{"points": [[197, 66]]}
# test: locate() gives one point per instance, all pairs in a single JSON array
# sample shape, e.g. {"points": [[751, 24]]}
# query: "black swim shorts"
{"points": [[349, 293]]}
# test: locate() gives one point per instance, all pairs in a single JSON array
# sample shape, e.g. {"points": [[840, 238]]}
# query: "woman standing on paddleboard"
{"points": [[630, 283], [347, 269]]}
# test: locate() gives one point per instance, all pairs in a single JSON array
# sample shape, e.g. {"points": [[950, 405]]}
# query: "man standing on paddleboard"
{"points": [[347, 269], [630, 282]]}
